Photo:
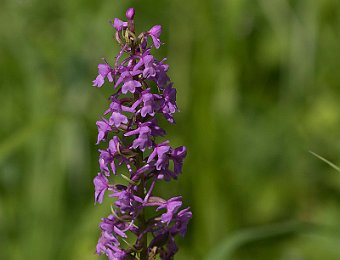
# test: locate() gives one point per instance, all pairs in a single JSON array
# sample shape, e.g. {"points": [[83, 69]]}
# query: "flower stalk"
{"points": [[143, 93]]}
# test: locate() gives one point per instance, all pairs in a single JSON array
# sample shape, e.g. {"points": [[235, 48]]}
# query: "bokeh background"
{"points": [[258, 87]]}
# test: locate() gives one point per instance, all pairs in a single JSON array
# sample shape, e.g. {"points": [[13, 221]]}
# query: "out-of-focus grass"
{"points": [[258, 87]]}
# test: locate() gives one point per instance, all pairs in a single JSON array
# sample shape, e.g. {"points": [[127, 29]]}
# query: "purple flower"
{"points": [[114, 145], [155, 33], [169, 103], [101, 184], [142, 90], [147, 61], [144, 137], [127, 202], [108, 223], [104, 70], [98, 82], [103, 129], [172, 206], [129, 84], [106, 157], [178, 156], [149, 105], [145, 131], [150, 102], [182, 221], [107, 240], [117, 106], [161, 75], [117, 119], [116, 253], [149, 68], [115, 226], [161, 151], [119, 232], [119, 24]]}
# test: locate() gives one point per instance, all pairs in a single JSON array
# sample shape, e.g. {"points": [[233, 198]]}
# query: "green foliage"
{"points": [[258, 88]]}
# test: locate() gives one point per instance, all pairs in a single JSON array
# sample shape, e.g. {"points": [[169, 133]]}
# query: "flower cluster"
{"points": [[143, 92]]}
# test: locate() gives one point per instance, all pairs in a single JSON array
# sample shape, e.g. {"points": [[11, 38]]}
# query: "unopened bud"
{"points": [[130, 13]]}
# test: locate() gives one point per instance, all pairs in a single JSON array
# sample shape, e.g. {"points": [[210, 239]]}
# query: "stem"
{"points": [[143, 242]]}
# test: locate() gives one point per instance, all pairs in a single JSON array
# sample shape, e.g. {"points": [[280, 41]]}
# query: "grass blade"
{"points": [[326, 161]]}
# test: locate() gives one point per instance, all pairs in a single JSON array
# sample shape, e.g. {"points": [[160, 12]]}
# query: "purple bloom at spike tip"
{"points": [[130, 13], [129, 132]]}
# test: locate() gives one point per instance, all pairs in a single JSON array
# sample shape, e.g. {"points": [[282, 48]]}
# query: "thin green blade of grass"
{"points": [[228, 247], [326, 161]]}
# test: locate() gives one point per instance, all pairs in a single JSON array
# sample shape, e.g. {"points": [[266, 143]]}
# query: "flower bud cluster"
{"points": [[129, 127]]}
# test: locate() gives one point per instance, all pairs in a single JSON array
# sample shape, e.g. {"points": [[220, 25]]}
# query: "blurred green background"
{"points": [[258, 88]]}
